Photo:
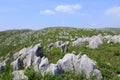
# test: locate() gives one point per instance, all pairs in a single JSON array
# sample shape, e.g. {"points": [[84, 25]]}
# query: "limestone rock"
{"points": [[64, 46], [17, 64], [79, 64], [19, 75], [112, 39], [21, 53], [31, 59], [97, 73], [78, 42], [95, 42], [53, 69], [45, 67], [66, 64], [29, 56], [88, 67]]}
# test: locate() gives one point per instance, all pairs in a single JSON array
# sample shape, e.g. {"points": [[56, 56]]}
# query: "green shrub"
{"points": [[32, 75], [7, 74]]}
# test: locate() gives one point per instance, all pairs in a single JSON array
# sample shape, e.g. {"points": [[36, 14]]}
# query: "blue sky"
{"points": [[37, 14]]}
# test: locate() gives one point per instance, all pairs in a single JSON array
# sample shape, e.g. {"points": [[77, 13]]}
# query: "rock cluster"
{"points": [[28, 58], [32, 57], [46, 67], [79, 64], [59, 44], [96, 41], [112, 39]]}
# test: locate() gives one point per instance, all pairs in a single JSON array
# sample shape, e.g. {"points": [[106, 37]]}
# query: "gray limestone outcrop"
{"points": [[79, 64], [33, 57], [28, 57], [95, 41], [45, 67], [19, 75], [17, 64]]}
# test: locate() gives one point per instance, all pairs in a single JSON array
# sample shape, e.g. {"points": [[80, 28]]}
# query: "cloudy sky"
{"points": [[37, 14]]}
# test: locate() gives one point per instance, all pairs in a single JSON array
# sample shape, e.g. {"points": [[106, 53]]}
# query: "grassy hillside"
{"points": [[115, 30], [107, 56]]}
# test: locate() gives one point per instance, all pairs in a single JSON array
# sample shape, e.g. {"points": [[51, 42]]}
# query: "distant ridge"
{"points": [[115, 30]]}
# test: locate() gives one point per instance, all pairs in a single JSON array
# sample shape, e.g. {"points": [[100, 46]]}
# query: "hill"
{"points": [[107, 55], [114, 30]]}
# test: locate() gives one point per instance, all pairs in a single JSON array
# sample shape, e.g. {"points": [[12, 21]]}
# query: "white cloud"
{"points": [[47, 12], [62, 8], [67, 8], [114, 11]]}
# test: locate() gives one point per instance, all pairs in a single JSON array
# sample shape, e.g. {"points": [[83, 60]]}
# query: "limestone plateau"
{"points": [[56, 51]]}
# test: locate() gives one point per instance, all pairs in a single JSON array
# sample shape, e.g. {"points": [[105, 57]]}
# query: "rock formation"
{"points": [[79, 64], [19, 75], [33, 57]]}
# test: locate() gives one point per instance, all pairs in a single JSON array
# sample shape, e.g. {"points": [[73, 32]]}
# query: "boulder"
{"points": [[19, 75], [45, 67], [112, 39], [97, 74], [88, 67], [21, 53], [17, 64], [66, 64], [95, 42], [29, 56], [28, 59], [31, 60], [79, 64], [36, 63], [53, 69], [64, 46], [78, 42]]}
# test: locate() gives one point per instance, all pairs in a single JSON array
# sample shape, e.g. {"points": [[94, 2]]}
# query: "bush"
{"points": [[32, 75], [7, 74]]}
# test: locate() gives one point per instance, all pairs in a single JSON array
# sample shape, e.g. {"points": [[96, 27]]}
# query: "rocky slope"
{"points": [[58, 53]]}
